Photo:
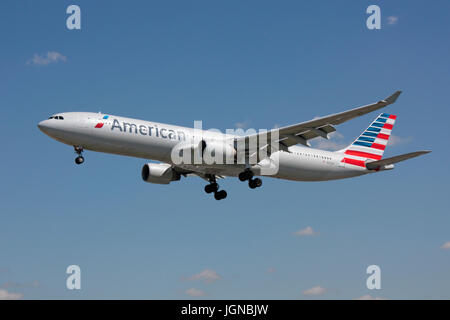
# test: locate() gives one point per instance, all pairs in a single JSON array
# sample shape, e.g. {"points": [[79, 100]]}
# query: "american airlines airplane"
{"points": [[287, 155]]}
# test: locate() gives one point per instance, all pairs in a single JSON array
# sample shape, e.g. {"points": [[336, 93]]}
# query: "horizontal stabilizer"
{"points": [[385, 162]]}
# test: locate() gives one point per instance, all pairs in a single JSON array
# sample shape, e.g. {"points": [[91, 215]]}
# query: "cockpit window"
{"points": [[57, 117]]}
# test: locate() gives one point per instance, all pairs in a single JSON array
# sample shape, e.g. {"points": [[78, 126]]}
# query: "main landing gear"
{"points": [[248, 175], [214, 187], [78, 151]]}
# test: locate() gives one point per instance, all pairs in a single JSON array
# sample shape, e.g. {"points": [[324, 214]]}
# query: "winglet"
{"points": [[393, 97]]}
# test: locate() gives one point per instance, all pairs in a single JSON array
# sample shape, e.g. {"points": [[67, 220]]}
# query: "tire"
{"points": [[222, 194], [212, 187], [258, 182], [245, 175], [79, 160], [252, 184]]}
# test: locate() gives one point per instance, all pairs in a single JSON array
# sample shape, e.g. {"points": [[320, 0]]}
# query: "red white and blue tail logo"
{"points": [[371, 143]]}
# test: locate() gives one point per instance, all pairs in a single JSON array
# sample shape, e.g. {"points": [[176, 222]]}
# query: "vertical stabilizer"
{"points": [[372, 142]]}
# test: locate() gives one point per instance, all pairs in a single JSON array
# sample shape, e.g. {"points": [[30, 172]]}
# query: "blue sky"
{"points": [[262, 63]]}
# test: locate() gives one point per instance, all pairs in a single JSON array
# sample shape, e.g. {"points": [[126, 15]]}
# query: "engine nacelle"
{"points": [[161, 173]]}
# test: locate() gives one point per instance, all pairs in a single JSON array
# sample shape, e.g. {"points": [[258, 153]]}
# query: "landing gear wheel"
{"points": [[212, 187], [219, 195], [255, 183], [245, 175], [78, 151], [79, 160]]}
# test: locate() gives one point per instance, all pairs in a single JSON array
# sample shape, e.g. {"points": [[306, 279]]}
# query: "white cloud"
{"points": [[242, 125], [34, 284], [192, 292], [308, 231], [336, 135], [314, 291], [369, 297], [206, 275], [391, 20], [46, 59], [5, 295], [396, 140], [446, 246], [328, 144]]}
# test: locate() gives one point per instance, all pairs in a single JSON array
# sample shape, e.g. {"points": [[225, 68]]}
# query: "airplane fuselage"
{"points": [[155, 141]]}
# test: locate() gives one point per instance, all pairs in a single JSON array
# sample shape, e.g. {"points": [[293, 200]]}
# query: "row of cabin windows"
{"points": [[312, 155], [57, 117]]}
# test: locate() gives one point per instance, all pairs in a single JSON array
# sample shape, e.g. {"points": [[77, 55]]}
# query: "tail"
{"points": [[371, 143]]}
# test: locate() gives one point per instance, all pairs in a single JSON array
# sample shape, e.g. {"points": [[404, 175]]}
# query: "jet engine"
{"points": [[161, 173]]}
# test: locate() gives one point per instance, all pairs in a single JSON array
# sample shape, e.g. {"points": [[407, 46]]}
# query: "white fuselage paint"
{"points": [[78, 129]]}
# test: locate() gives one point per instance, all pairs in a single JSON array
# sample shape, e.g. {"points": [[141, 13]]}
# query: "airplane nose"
{"points": [[43, 125]]}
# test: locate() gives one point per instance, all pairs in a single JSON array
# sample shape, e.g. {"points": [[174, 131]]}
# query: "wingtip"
{"points": [[393, 97], [422, 152]]}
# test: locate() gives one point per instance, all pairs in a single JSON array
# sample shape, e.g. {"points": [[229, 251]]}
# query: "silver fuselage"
{"points": [[155, 141]]}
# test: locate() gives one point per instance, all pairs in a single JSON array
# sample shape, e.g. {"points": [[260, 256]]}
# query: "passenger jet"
{"points": [[288, 152]]}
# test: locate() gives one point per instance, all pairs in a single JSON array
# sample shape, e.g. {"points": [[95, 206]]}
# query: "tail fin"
{"points": [[372, 142]]}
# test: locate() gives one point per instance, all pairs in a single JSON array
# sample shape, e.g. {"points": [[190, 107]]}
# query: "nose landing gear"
{"points": [[78, 151]]}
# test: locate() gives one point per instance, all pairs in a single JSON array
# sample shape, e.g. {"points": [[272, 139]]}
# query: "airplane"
{"points": [[295, 159]]}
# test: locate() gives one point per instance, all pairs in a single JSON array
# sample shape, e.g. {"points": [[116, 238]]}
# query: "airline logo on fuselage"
{"points": [[145, 130], [100, 124]]}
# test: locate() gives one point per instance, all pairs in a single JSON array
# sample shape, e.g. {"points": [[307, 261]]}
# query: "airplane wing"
{"points": [[385, 162], [304, 131]]}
